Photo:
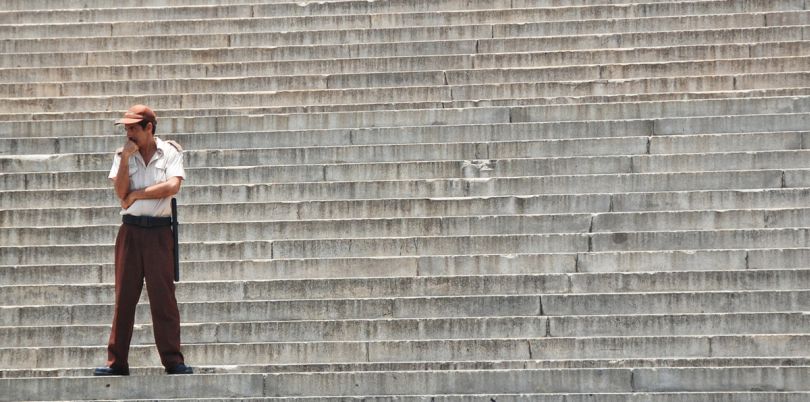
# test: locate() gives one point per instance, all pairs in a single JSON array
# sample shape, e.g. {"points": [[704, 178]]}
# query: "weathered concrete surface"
{"points": [[552, 200]]}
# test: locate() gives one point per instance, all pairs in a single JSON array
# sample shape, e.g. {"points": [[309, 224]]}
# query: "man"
{"points": [[146, 174]]}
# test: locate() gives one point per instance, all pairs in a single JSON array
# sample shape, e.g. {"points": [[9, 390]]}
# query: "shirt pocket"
{"points": [[133, 169], [160, 170]]}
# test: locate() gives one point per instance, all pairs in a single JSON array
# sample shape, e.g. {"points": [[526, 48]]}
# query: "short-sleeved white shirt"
{"points": [[166, 162]]}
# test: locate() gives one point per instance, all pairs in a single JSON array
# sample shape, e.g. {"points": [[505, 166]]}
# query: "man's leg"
{"points": [[159, 273], [128, 286]]}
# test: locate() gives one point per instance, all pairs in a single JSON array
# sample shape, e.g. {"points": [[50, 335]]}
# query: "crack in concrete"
{"points": [[540, 302], [633, 380], [531, 353]]}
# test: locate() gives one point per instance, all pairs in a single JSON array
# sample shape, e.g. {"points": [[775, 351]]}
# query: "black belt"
{"points": [[147, 221]]}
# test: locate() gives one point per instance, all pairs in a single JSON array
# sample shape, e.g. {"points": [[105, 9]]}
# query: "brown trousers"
{"points": [[145, 253]]}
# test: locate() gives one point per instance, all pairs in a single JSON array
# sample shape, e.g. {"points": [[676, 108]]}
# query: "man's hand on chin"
{"points": [[130, 147]]}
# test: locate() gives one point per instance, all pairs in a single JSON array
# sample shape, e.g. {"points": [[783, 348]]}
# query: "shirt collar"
{"points": [[159, 153], [162, 147]]}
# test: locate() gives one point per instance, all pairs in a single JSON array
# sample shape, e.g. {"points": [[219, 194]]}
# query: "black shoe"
{"points": [[110, 371], [180, 369]]}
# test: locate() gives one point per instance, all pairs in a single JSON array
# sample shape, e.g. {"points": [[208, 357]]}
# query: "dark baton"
{"points": [[176, 242]]}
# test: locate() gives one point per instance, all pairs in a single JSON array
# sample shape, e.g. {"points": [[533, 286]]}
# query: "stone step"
{"points": [[634, 396], [441, 101], [342, 172], [682, 45], [521, 166], [426, 266], [528, 13], [428, 350], [717, 161], [740, 108], [208, 231], [387, 208], [624, 241], [438, 188], [247, 229], [499, 30], [696, 144], [235, 9], [422, 329], [433, 245], [755, 82], [306, 164], [424, 78], [693, 220], [426, 134], [667, 201], [431, 366], [239, 11], [408, 246], [691, 260], [224, 270], [459, 69], [640, 110], [98, 253], [661, 397], [40, 5], [723, 124], [640, 381], [742, 396], [751, 36], [687, 302], [366, 228], [19, 295], [517, 94], [344, 137], [82, 144]]}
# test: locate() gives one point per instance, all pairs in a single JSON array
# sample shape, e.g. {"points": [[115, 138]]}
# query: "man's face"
{"points": [[137, 133]]}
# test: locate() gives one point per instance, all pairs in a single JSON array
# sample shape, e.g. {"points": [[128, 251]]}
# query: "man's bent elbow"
{"points": [[175, 185], [121, 193]]}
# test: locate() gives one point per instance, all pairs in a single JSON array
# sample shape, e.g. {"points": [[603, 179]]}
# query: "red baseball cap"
{"points": [[136, 114]]}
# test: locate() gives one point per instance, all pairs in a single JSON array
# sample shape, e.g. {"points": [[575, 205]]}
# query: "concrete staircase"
{"points": [[511, 200]]}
